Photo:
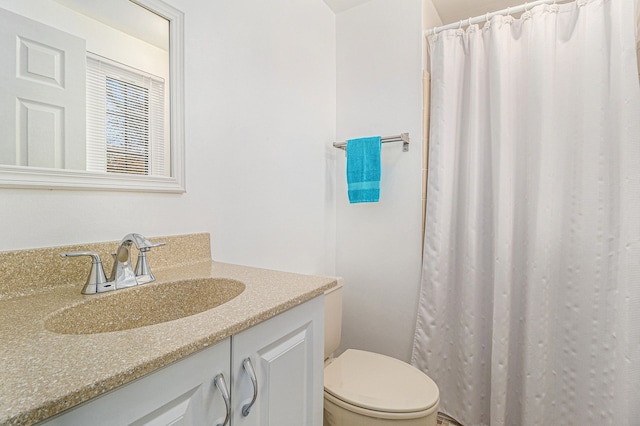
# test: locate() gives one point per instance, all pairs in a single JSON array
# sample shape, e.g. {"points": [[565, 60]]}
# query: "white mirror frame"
{"points": [[33, 177]]}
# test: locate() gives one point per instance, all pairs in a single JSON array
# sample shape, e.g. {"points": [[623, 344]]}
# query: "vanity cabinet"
{"points": [[279, 361]]}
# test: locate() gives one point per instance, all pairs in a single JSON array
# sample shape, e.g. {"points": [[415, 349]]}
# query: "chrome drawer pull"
{"points": [[248, 367], [221, 384]]}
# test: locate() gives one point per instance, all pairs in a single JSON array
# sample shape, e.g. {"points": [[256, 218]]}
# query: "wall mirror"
{"points": [[91, 95]]}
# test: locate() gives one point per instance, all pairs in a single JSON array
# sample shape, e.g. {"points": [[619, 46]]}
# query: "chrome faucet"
{"points": [[123, 275]]}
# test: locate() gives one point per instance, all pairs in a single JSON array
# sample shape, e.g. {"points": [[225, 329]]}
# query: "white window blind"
{"points": [[125, 119]]}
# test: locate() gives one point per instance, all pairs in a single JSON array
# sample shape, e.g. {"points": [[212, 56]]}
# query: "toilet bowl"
{"points": [[367, 389]]}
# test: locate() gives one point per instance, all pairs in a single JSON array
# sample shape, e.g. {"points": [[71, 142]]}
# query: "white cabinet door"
{"points": [[286, 353], [182, 393]]}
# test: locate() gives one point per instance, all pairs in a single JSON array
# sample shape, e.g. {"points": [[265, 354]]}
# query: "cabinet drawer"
{"points": [[181, 393]]}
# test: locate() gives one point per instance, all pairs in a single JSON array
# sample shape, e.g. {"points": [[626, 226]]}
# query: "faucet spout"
{"points": [[123, 272], [141, 242]]}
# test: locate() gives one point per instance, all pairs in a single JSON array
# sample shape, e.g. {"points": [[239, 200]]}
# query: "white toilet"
{"points": [[368, 389]]}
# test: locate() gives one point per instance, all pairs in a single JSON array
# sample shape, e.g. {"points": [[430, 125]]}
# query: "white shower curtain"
{"points": [[529, 311]]}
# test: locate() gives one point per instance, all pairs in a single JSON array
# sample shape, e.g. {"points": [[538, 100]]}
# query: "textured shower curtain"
{"points": [[529, 310]]}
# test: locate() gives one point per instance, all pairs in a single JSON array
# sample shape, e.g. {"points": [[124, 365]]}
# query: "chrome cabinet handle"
{"points": [[248, 367], [221, 384]]}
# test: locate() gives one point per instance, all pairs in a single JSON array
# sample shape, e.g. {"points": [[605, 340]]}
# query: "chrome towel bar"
{"points": [[403, 137]]}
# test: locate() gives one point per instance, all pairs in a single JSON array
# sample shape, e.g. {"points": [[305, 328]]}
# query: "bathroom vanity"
{"points": [[177, 371], [284, 353]]}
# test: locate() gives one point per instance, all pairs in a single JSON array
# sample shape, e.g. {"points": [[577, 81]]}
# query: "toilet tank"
{"points": [[332, 318]]}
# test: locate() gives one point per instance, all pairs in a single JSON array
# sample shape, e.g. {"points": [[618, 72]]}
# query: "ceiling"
{"points": [[125, 16], [449, 10], [339, 5], [455, 10]]}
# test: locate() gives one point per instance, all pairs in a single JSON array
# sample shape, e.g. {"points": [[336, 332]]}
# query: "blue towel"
{"points": [[363, 169]]}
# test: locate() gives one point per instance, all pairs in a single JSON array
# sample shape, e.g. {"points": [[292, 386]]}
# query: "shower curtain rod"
{"points": [[488, 16]]}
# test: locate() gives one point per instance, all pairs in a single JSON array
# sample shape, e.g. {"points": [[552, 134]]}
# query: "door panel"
{"points": [[284, 365], [286, 352]]}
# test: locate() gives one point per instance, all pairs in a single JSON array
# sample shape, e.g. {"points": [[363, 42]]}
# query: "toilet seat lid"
{"points": [[378, 382]]}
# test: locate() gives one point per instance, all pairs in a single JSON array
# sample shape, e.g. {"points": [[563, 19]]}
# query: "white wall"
{"points": [[430, 18], [260, 112], [270, 167], [379, 82], [262, 177]]}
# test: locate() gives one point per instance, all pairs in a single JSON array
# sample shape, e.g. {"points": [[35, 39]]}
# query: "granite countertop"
{"points": [[44, 373]]}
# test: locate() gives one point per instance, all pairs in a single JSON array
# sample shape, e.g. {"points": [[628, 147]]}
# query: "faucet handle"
{"points": [[97, 279], [150, 245], [143, 270]]}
